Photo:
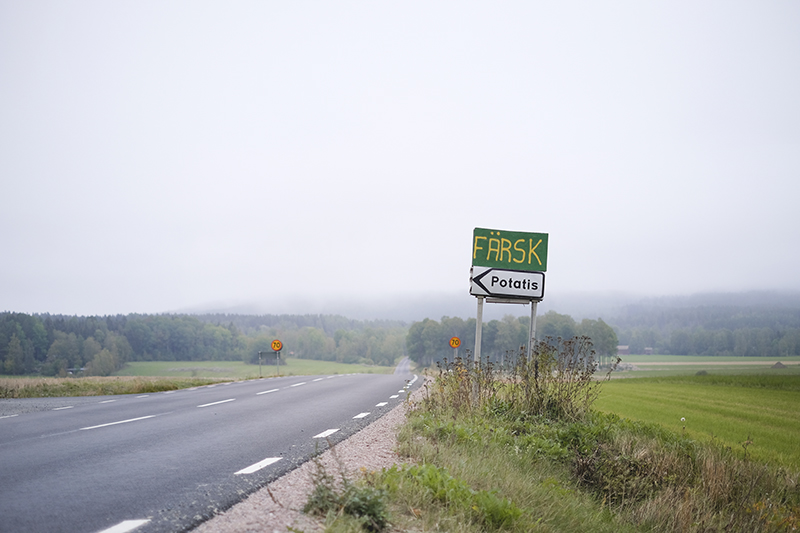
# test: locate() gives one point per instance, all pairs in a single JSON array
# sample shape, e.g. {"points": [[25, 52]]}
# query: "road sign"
{"points": [[455, 342], [507, 283], [512, 250], [277, 345]]}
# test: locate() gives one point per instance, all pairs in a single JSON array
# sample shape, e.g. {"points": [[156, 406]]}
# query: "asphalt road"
{"points": [[168, 461]]}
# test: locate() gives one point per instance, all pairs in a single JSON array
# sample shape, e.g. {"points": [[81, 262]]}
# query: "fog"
{"points": [[335, 157]]}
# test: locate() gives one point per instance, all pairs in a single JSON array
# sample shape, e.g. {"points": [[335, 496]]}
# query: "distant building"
{"points": [[623, 349], [648, 351]]}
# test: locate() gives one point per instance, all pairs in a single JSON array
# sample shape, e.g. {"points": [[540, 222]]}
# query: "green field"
{"points": [[240, 370], [731, 408]]}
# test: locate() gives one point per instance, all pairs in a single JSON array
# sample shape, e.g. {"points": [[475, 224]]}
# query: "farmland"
{"points": [[744, 404]]}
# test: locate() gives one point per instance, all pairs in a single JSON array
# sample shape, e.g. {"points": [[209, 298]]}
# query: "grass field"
{"points": [[240, 370], [730, 408], [687, 365]]}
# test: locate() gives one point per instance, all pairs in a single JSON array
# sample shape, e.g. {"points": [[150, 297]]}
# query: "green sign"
{"points": [[511, 250]]}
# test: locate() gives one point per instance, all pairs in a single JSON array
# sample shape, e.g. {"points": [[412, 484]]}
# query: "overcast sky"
{"points": [[162, 156]]}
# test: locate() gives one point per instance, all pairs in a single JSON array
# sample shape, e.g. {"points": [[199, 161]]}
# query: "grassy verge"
{"points": [[93, 386], [527, 452], [155, 376]]}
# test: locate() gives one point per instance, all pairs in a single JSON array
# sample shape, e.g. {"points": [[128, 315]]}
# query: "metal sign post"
{"points": [[454, 343], [478, 330], [259, 364], [276, 347], [532, 330]]}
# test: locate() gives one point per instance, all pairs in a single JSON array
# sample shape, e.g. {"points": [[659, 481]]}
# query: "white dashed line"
{"points": [[360, 415], [8, 416], [62, 408], [258, 466], [216, 403], [297, 384], [125, 527], [109, 401], [266, 391], [318, 379], [144, 396], [120, 422], [326, 433], [381, 404], [394, 396]]}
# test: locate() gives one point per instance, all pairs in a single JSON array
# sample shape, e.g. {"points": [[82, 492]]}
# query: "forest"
{"points": [[57, 345], [721, 328]]}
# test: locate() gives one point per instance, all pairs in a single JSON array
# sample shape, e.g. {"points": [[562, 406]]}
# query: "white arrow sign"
{"points": [[487, 281]]}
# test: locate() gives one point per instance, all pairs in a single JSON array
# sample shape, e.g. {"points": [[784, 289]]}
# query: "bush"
{"points": [[330, 498]]}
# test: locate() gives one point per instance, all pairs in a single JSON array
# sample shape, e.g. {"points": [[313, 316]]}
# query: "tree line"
{"points": [[754, 329], [57, 345], [428, 340]]}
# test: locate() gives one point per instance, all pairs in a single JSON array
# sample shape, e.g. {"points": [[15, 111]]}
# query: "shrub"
{"points": [[331, 498]]}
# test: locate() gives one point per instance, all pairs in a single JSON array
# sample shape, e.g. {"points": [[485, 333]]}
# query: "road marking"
{"points": [[120, 422], [61, 408], [109, 401], [381, 404], [144, 396], [8, 416], [297, 384], [267, 391], [258, 466], [169, 392], [401, 391], [394, 396], [216, 403], [318, 379], [124, 527], [360, 415], [326, 433]]}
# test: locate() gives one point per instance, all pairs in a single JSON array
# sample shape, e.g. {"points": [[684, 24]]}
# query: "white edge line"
{"points": [[216, 403], [258, 466], [267, 391], [124, 527], [120, 422], [325, 433]]}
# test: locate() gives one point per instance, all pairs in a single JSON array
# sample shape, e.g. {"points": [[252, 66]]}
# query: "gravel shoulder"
{"points": [[279, 505]]}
